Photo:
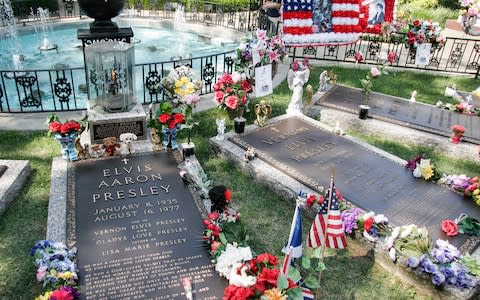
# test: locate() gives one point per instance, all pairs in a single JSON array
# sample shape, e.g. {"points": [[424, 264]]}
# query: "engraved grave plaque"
{"points": [[306, 152], [416, 115], [139, 231]]}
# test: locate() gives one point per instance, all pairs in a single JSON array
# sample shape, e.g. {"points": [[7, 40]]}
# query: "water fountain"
{"points": [[178, 22], [8, 20], [44, 17]]}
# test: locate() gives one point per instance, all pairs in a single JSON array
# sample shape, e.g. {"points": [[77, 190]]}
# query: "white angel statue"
{"points": [[296, 80]]}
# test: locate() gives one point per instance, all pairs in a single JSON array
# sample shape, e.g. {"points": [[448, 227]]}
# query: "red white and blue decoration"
{"points": [[313, 22], [327, 228]]}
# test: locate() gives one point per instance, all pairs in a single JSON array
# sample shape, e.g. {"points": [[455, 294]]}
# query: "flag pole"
{"points": [[324, 242]]}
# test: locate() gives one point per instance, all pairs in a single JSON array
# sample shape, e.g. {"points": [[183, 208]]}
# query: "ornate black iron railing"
{"points": [[456, 55], [65, 89]]}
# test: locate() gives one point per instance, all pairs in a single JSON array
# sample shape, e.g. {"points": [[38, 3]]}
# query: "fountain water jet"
{"points": [[44, 16], [8, 20], [178, 22]]}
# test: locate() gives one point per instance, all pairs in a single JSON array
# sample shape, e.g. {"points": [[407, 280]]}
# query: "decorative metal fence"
{"points": [[457, 55], [65, 89]]}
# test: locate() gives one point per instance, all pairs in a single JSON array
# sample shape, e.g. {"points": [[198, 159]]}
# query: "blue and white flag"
{"points": [[295, 237]]}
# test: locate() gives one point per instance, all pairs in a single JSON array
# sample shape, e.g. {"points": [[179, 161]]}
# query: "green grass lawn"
{"points": [[350, 275]]}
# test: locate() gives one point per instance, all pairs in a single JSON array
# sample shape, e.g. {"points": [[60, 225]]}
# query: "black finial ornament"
{"points": [[102, 11]]}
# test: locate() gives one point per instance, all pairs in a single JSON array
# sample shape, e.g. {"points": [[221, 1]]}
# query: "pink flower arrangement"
{"points": [[230, 91]]}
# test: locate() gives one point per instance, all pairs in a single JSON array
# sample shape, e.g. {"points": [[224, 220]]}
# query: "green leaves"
{"points": [[469, 226], [234, 232], [472, 264]]}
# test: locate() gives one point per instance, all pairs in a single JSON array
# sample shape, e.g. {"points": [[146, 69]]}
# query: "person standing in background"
{"points": [[273, 13]]}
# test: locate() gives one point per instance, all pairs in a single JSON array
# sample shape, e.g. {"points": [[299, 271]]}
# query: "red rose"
{"points": [[233, 292], [227, 79], [244, 100], [64, 128], [207, 222], [268, 278], [411, 40], [266, 259], [213, 215], [228, 195], [178, 118], [449, 227], [219, 97], [217, 86], [231, 102], [311, 200], [367, 225], [163, 118], [246, 86], [54, 127], [416, 23], [171, 123], [321, 199], [73, 125]]}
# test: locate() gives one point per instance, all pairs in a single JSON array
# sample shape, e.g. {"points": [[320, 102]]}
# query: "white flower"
{"points": [[380, 219], [417, 173], [231, 256], [389, 242], [393, 254], [407, 230], [395, 233], [242, 279], [236, 77]]}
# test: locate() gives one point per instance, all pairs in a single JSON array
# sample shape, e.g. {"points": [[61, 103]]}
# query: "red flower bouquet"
{"points": [[230, 92], [65, 129], [171, 120]]}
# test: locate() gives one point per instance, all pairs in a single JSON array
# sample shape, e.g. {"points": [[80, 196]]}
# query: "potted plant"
{"points": [[167, 121], [231, 94], [66, 134], [367, 85]]}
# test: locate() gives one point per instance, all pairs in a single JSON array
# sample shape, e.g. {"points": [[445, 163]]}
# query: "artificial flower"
{"points": [[233, 292], [274, 294], [449, 227]]}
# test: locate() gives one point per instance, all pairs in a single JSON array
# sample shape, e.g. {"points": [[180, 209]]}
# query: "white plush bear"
{"points": [[127, 140]]}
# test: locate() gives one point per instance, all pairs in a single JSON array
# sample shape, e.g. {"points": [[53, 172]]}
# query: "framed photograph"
{"points": [[375, 13], [422, 56], [263, 81]]}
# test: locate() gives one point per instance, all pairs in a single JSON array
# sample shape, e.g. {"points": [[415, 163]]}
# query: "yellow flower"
{"points": [[66, 275], [274, 294], [427, 172], [184, 86], [45, 296]]}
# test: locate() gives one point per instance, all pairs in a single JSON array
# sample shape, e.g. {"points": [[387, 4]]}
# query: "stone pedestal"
{"points": [[102, 124]]}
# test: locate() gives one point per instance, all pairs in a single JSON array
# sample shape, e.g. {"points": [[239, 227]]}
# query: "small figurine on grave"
{"points": [[309, 101], [323, 81], [263, 112], [337, 130], [249, 154], [413, 98], [220, 196], [297, 77], [220, 129], [83, 152]]}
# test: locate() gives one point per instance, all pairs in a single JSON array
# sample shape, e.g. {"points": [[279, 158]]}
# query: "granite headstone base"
{"points": [[102, 124]]}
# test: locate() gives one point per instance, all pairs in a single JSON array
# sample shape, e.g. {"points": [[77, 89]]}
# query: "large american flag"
{"points": [[333, 234], [298, 27]]}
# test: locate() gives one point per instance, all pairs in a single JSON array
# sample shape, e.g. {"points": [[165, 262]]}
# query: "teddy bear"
{"points": [[127, 140], [111, 146]]}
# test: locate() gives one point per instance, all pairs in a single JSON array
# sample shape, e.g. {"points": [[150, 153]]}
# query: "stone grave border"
{"points": [[12, 181], [288, 187]]}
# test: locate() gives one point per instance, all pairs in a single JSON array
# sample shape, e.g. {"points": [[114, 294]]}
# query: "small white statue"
{"points": [[220, 129], [450, 92], [296, 80], [323, 81], [337, 130], [413, 98]]}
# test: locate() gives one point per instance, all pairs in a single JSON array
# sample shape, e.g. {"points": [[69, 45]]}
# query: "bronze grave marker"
{"points": [[306, 152], [415, 115], [139, 231]]}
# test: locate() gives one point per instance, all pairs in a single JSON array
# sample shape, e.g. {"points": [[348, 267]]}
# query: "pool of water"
{"points": [[158, 42]]}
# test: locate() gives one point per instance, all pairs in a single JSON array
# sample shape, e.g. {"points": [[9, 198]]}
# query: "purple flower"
{"points": [[438, 278], [428, 266], [413, 262], [464, 281], [412, 163], [439, 256], [350, 219]]}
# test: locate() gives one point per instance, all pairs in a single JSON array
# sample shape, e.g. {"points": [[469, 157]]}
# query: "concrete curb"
{"points": [[12, 181]]}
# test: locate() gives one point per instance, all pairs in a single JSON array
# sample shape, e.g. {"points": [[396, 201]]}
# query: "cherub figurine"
{"points": [[413, 98], [296, 80], [263, 112], [220, 129]]}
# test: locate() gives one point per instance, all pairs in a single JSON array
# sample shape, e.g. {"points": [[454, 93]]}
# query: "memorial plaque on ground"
{"points": [[404, 112], [139, 231], [304, 151]]}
